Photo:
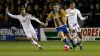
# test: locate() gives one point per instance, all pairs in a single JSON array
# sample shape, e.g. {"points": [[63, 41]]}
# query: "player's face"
{"points": [[23, 12], [72, 5], [55, 8]]}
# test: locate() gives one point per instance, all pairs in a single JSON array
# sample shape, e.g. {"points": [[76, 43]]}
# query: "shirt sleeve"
{"points": [[36, 19], [12, 16], [67, 14], [80, 16], [50, 15], [63, 12]]}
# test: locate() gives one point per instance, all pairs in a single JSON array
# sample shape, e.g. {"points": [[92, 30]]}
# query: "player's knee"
{"points": [[73, 31], [75, 40], [79, 34], [31, 39], [69, 36], [36, 39], [61, 35]]}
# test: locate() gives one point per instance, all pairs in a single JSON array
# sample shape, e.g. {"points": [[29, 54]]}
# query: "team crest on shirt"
{"points": [[72, 13], [24, 20]]}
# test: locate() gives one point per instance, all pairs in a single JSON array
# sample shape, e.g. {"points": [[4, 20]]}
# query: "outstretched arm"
{"points": [[9, 14], [37, 20], [49, 17], [80, 16]]}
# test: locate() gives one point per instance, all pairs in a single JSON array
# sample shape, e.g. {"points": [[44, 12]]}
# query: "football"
{"points": [[66, 48]]}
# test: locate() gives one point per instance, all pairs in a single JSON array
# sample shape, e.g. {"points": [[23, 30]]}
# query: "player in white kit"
{"points": [[25, 20], [73, 23]]}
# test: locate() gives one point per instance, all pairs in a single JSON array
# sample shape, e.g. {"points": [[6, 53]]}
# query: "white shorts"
{"points": [[75, 26], [30, 33]]}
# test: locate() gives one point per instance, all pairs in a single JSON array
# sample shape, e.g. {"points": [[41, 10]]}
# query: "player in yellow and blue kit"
{"points": [[58, 15]]}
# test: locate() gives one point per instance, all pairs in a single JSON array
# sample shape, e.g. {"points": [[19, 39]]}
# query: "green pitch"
{"points": [[50, 49]]}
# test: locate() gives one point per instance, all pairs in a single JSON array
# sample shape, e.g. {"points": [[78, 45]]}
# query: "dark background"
{"points": [[41, 8]]}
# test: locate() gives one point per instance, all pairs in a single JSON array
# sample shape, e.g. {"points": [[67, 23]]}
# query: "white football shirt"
{"points": [[25, 21], [72, 15]]}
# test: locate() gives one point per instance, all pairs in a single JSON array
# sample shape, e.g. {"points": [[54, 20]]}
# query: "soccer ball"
{"points": [[66, 48]]}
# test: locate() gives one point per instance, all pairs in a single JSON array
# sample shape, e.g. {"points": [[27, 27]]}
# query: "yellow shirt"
{"points": [[58, 17]]}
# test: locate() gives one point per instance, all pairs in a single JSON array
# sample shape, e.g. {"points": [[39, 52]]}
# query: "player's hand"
{"points": [[7, 10], [86, 17], [46, 24], [43, 24]]}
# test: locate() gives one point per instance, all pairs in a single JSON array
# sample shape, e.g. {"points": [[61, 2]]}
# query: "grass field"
{"points": [[50, 49]]}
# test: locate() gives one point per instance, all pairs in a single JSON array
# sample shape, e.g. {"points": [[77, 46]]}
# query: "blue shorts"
{"points": [[62, 29]]}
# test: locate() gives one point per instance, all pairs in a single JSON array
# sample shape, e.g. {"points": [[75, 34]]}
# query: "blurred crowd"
{"points": [[41, 8]]}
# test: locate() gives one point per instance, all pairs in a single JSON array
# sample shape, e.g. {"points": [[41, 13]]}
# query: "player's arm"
{"points": [[37, 20], [67, 15], [64, 15], [49, 17], [80, 16], [9, 14]]}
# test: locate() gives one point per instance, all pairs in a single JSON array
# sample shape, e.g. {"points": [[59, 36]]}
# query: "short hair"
{"points": [[72, 2], [56, 4], [22, 9]]}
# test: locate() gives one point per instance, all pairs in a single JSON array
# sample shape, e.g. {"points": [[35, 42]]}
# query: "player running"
{"points": [[25, 20], [73, 23], [59, 17]]}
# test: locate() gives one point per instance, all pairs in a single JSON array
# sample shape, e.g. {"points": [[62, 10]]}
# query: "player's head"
{"points": [[23, 12], [56, 7], [72, 5]]}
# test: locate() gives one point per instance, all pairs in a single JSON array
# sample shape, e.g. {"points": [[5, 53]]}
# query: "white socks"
{"points": [[35, 43]]}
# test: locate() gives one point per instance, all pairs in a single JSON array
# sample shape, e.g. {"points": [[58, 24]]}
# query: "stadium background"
{"points": [[40, 9], [16, 44]]}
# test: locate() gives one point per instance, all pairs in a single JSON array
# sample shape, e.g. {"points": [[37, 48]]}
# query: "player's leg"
{"points": [[80, 36], [76, 40], [63, 38], [74, 36], [29, 36], [73, 33], [35, 43], [34, 35], [71, 40], [61, 34], [80, 41], [68, 35]]}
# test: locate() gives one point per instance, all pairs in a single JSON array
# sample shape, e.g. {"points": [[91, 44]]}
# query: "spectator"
{"points": [[41, 18], [29, 9], [45, 10], [41, 8], [2, 2], [27, 3], [97, 8], [65, 7], [1, 9], [86, 6], [50, 8], [8, 2], [1, 20], [12, 9], [6, 24], [81, 7], [32, 3], [36, 10], [97, 16], [18, 6], [19, 3], [47, 2]]}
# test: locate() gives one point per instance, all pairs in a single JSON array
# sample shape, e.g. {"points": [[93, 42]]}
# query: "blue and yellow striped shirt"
{"points": [[58, 17]]}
